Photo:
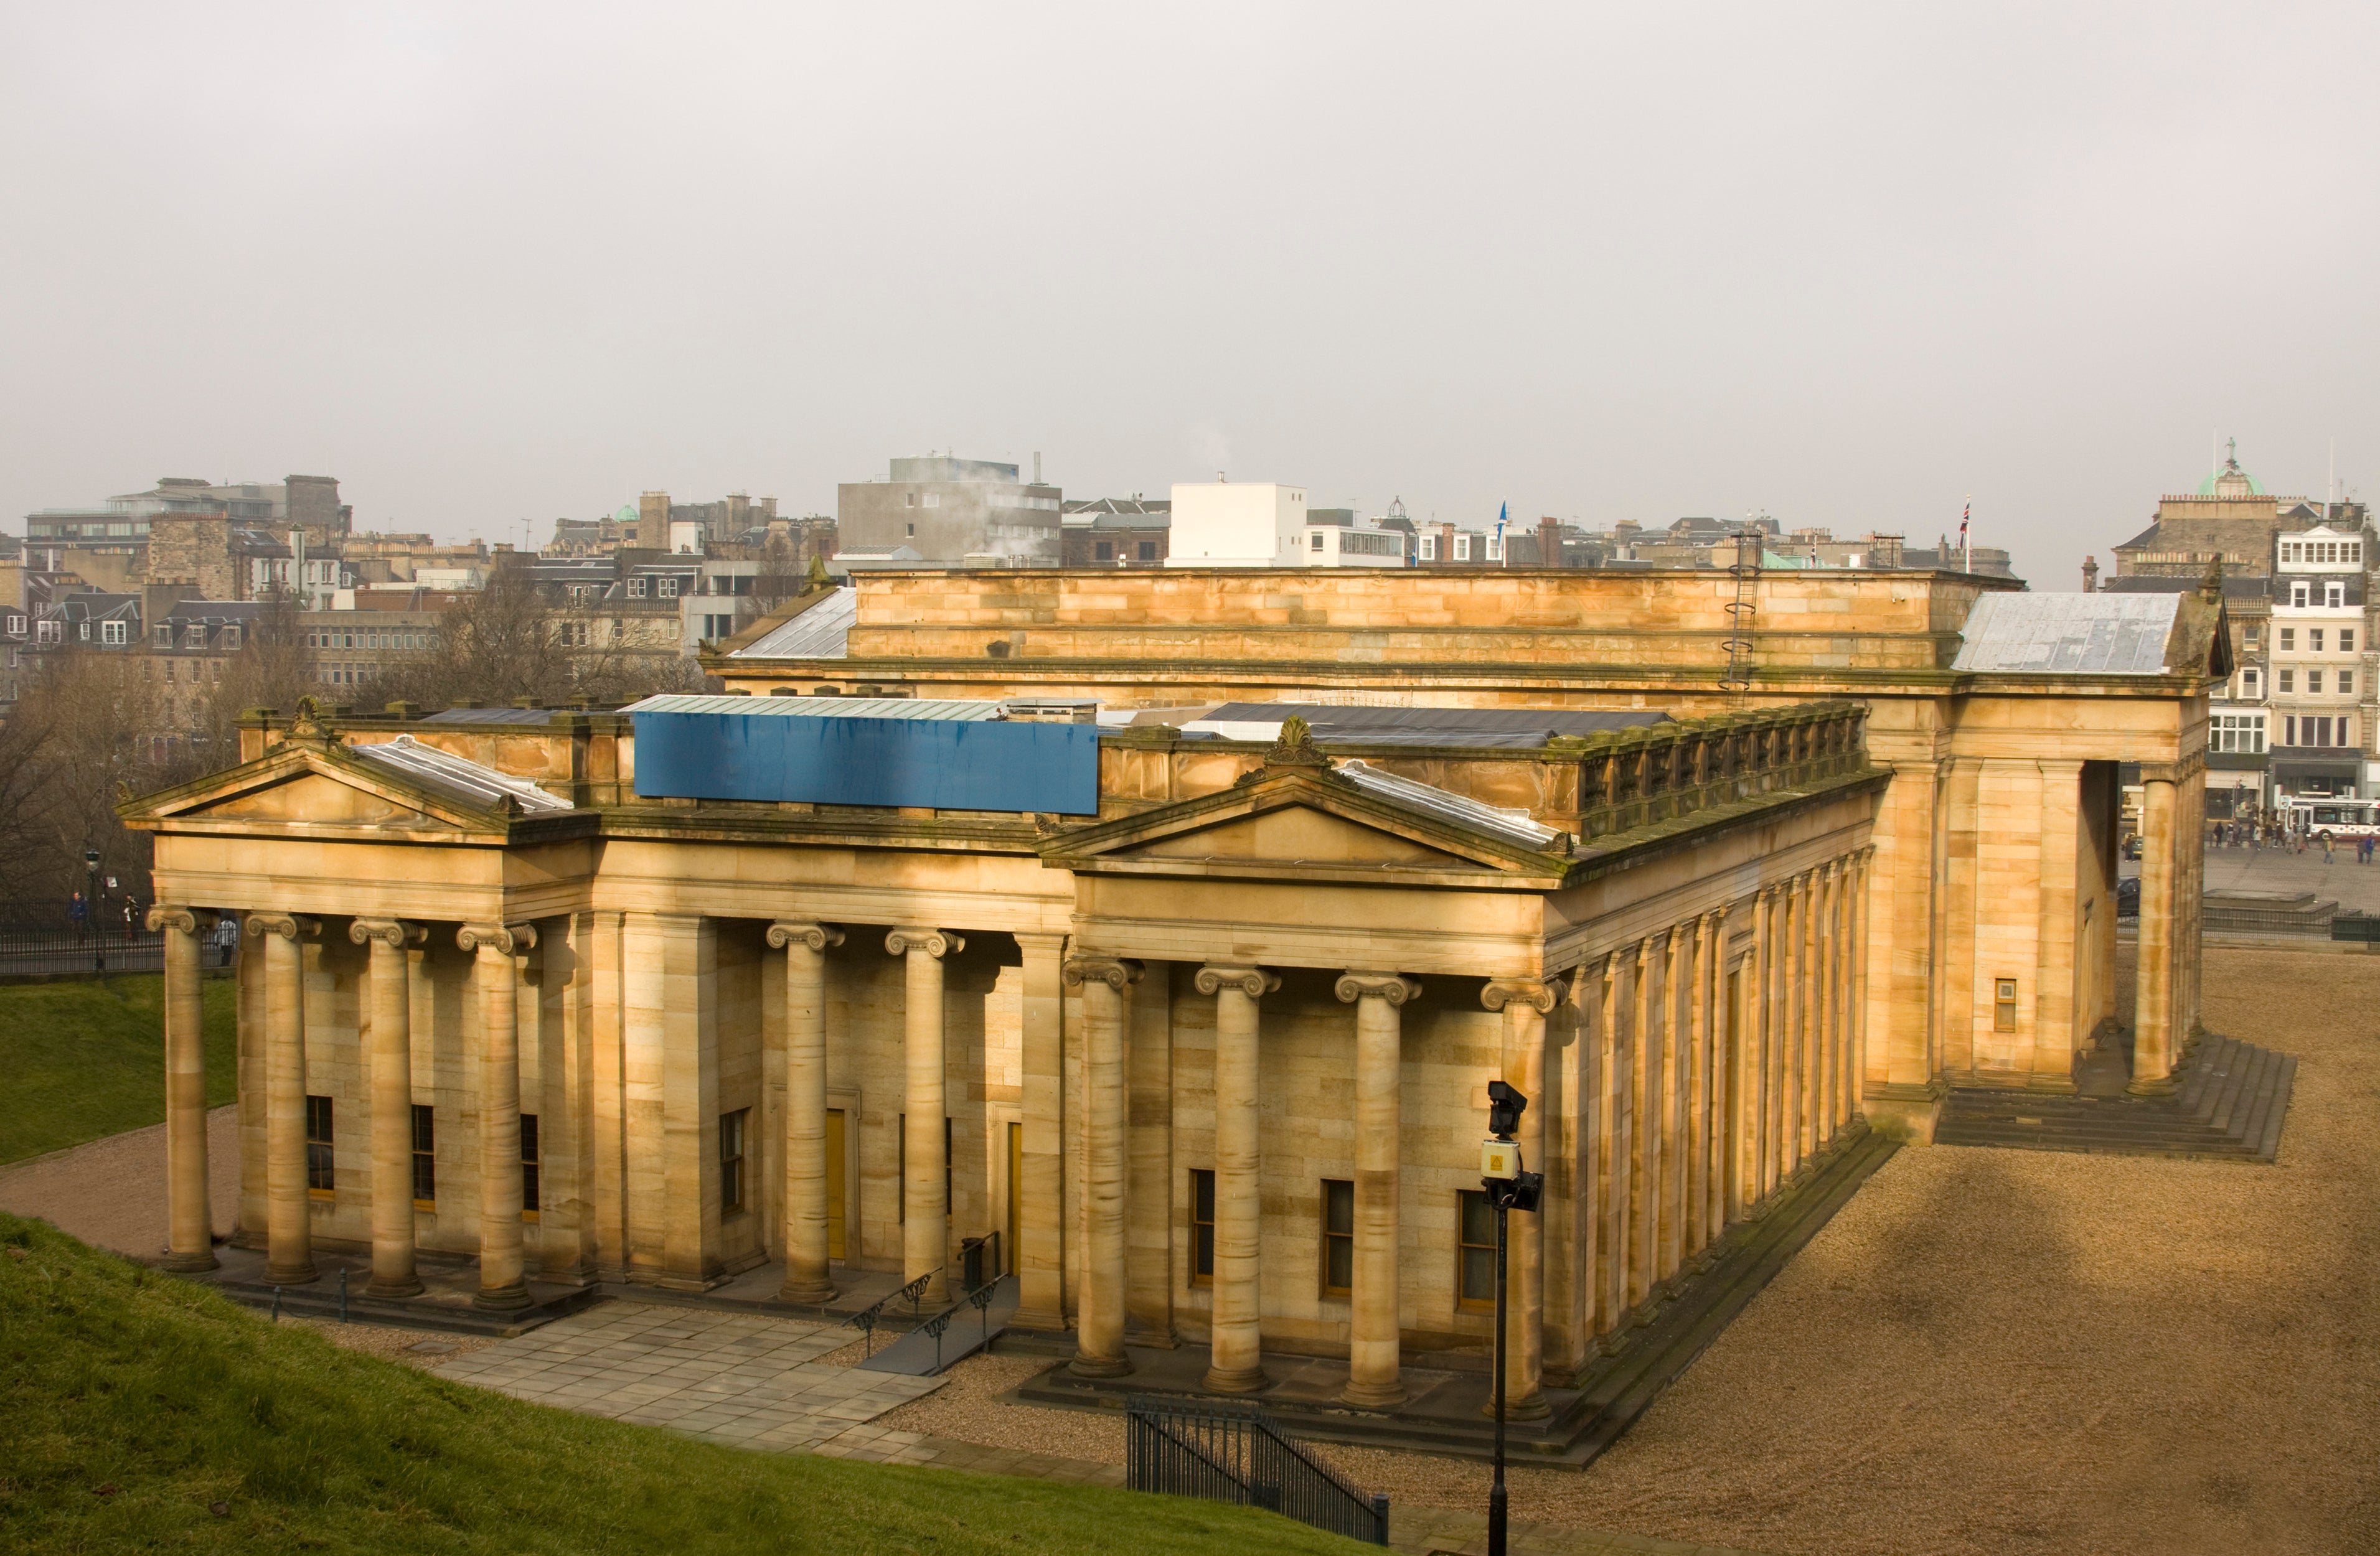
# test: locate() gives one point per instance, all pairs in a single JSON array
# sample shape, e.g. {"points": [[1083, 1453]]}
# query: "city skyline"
{"points": [[489, 268]]}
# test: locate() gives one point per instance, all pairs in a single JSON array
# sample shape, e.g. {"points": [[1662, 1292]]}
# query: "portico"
{"points": [[1210, 1070]]}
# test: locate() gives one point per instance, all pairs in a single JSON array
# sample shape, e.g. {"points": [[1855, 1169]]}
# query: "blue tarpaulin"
{"points": [[954, 765]]}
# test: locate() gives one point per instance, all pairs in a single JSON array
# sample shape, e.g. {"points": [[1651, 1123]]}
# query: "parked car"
{"points": [[2128, 897]]}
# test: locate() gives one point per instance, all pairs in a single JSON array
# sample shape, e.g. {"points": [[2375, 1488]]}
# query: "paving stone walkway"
{"points": [[752, 1381]]}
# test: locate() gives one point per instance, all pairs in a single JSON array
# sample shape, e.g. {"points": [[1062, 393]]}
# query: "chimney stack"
{"points": [[2090, 575]]}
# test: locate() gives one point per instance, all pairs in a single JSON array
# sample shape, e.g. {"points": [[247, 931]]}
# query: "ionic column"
{"points": [[1608, 1265], [1830, 946], [1642, 1138], [805, 945], [2152, 1033], [501, 1286], [925, 1232], [1372, 1371], [1719, 1088], [288, 1226], [1675, 1038], [1855, 1031], [1698, 1093], [191, 1238], [1099, 1324], [1797, 1022], [1525, 1003], [1236, 1365], [1751, 1067], [390, 1063], [1040, 1261], [1778, 973]]}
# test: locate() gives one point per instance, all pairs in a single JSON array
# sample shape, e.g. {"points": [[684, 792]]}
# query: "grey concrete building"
{"points": [[954, 513]]}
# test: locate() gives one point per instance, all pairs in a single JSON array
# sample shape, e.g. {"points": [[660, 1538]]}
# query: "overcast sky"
{"points": [[1850, 266]]}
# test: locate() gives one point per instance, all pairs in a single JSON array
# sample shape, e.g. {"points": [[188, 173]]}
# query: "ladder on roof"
{"points": [[1736, 680]]}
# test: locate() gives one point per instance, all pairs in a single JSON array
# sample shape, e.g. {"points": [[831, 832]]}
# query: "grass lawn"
{"points": [[85, 1059], [133, 1404]]}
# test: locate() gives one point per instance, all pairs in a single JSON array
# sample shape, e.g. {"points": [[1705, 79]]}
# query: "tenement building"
{"points": [[1163, 930]]}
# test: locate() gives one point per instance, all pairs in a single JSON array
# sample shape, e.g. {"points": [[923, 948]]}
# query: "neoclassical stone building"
{"points": [[1203, 1044]]}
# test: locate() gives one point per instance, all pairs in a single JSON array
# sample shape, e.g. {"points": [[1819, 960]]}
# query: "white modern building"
{"points": [[1238, 523], [2320, 722], [1336, 545]]}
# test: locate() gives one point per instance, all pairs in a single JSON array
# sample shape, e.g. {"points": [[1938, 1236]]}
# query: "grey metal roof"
{"points": [[819, 707], [1448, 806], [490, 715], [1511, 727], [439, 769], [819, 633], [2070, 634]]}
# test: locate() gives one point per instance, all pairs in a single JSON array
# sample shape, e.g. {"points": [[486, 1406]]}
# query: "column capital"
{"points": [[935, 943], [1394, 987], [395, 933], [1116, 972], [817, 936], [1717, 918], [506, 939], [1531, 991], [163, 917], [287, 925], [1253, 982]]}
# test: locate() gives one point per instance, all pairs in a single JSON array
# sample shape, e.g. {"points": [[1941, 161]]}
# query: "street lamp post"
{"points": [[1509, 1188], [91, 911]]}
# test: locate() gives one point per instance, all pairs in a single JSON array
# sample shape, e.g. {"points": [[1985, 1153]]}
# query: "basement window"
{"points": [[2003, 1005]]}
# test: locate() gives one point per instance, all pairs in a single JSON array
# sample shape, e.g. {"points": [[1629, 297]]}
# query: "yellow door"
{"points": [[1015, 1197], [834, 1183]]}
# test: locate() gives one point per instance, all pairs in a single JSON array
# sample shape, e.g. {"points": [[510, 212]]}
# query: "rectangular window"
{"points": [[2004, 1005], [1202, 1226], [2314, 640], [1314, 541], [49, 632], [2313, 681], [1428, 547], [835, 1190], [2346, 682], [1338, 1237], [669, 588], [2250, 682], [1148, 550], [194, 637], [528, 1166], [1102, 551], [2347, 640], [1475, 1250], [2253, 634], [2289, 680], [2288, 640], [2334, 594], [230, 638], [2299, 593], [2289, 731], [730, 1158], [318, 1146], [115, 632], [637, 588], [425, 1157]]}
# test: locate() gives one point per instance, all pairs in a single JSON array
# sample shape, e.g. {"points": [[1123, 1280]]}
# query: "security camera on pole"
{"points": [[1509, 1188]]}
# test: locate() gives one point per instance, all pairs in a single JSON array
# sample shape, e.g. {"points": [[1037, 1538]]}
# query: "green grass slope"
{"points": [[133, 1404], [79, 1060]]}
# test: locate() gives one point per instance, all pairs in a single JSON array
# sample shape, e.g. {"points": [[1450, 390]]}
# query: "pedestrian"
{"points": [[2326, 847]]}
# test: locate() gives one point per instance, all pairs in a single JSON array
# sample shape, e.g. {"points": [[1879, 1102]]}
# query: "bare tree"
{"points": [[510, 642]]}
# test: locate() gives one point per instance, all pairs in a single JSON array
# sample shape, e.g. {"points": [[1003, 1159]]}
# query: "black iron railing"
{"points": [[867, 1318], [1222, 1451]]}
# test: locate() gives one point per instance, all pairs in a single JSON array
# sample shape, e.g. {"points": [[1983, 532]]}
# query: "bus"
{"points": [[2320, 815]]}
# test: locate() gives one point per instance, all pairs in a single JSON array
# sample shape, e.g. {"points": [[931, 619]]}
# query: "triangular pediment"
{"points": [[316, 788], [1303, 825], [316, 797], [1295, 832]]}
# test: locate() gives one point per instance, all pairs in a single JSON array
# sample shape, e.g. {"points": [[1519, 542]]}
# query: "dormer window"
{"points": [[2334, 594], [636, 589], [669, 588]]}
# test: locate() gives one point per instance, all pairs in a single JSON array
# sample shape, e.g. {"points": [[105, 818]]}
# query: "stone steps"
{"points": [[2229, 1105]]}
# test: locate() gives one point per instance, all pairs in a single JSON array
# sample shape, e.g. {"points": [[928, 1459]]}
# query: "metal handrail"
{"points": [[1232, 1452], [867, 1318]]}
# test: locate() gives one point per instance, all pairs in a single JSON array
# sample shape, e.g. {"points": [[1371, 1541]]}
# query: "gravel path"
{"points": [[111, 1193], [1994, 1351]]}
